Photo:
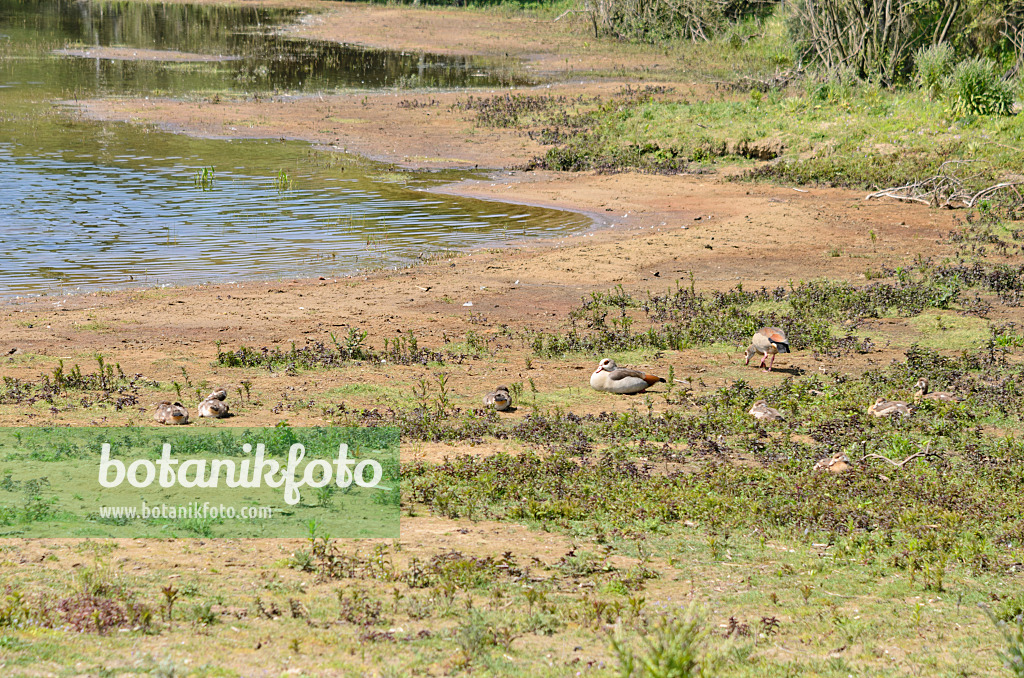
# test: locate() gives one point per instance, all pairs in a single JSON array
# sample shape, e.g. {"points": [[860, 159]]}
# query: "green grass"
{"points": [[372, 394], [861, 136], [951, 332]]}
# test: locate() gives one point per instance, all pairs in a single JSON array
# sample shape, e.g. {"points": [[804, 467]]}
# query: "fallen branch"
{"points": [[568, 11], [899, 464], [945, 188]]}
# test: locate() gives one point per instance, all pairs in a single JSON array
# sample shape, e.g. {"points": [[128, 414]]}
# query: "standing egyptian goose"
{"points": [[768, 341], [885, 408], [498, 399], [923, 392], [171, 413], [608, 377], [760, 410]]}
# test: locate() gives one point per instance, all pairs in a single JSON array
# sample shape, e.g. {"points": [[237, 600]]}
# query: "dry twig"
{"points": [[899, 464], [946, 188]]}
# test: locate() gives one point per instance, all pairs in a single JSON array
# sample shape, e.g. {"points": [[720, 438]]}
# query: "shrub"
{"points": [[878, 38], [673, 649], [656, 20], [976, 89], [931, 67], [1012, 632]]}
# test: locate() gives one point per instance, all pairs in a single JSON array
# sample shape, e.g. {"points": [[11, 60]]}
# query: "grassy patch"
{"points": [[950, 332]]}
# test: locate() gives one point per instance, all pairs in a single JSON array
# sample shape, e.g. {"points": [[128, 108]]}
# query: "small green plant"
{"points": [[303, 561], [283, 182], [672, 649], [170, 595], [325, 496], [202, 614], [203, 178]]}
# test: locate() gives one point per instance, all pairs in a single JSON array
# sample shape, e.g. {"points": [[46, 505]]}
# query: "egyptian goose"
{"points": [[498, 399], [171, 413], [213, 407], [220, 394], [608, 377], [837, 463], [923, 392], [760, 410], [767, 341], [885, 408]]}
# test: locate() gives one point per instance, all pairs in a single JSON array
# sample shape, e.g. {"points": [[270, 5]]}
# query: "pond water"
{"points": [[87, 205]]}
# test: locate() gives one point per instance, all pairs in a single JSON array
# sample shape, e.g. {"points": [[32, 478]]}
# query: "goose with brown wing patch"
{"points": [[611, 378], [767, 341]]}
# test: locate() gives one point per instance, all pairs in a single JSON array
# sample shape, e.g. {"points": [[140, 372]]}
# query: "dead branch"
{"points": [[567, 12], [899, 464], [946, 189]]}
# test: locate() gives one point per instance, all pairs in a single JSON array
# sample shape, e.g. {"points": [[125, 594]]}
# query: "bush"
{"points": [[877, 38], [672, 649], [976, 89], [656, 20], [1012, 632], [931, 67]]}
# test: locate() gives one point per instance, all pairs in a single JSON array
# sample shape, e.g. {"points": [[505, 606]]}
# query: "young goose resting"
{"points": [[922, 392], [613, 379], [498, 399], [171, 413], [885, 408], [760, 410], [768, 341]]}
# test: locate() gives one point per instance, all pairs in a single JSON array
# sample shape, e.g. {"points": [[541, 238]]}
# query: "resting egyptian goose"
{"points": [[760, 410], [837, 463], [220, 394], [498, 399], [767, 341], [885, 408], [608, 377], [213, 407], [171, 413], [923, 392]]}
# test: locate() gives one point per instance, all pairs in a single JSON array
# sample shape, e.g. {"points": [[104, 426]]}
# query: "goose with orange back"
{"points": [[767, 341]]}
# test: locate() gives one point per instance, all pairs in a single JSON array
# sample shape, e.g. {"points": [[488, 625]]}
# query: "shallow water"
{"points": [[88, 205]]}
